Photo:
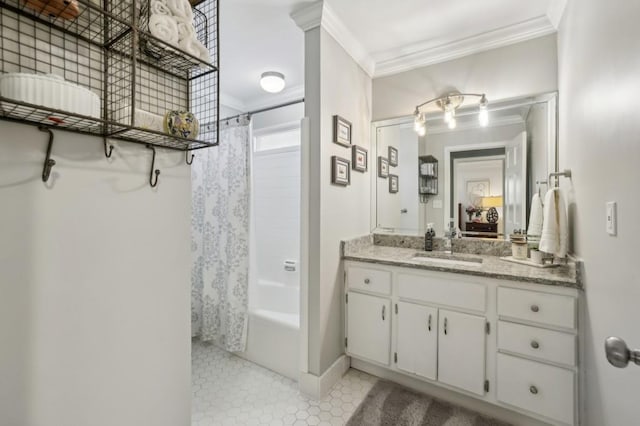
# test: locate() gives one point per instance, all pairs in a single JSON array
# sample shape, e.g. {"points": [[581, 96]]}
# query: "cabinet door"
{"points": [[369, 327], [461, 350], [417, 339]]}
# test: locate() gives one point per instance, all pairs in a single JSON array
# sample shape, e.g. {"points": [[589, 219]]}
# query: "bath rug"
{"points": [[389, 404]]}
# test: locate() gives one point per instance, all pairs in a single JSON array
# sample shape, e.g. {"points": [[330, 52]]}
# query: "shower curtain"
{"points": [[220, 239]]}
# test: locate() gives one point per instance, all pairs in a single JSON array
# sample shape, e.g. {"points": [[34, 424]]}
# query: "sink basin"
{"points": [[449, 259]]}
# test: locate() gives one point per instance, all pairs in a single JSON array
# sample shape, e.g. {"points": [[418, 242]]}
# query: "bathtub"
{"points": [[274, 328]]}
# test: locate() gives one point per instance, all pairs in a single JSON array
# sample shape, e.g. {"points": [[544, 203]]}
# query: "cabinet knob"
{"points": [[533, 390], [384, 308], [535, 308], [445, 326], [534, 344], [429, 323], [367, 280]]}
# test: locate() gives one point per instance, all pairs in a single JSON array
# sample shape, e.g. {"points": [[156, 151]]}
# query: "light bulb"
{"points": [[483, 117], [418, 122], [448, 116], [452, 123], [422, 130]]}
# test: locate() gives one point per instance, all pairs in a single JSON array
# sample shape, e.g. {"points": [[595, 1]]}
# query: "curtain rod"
{"points": [[258, 111]]}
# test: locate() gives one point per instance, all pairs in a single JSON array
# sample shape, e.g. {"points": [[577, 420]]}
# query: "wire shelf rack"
{"points": [[106, 51]]}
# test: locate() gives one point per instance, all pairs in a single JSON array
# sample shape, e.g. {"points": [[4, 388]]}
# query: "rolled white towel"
{"points": [[555, 229], [165, 28], [181, 9], [194, 48], [185, 30], [535, 218], [159, 7]]}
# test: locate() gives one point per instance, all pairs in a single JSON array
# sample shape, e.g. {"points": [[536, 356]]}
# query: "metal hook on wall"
{"points": [[108, 152], [153, 165], [48, 161], [186, 158]]}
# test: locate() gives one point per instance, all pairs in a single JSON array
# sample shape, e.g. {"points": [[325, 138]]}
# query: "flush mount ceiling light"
{"points": [[449, 104], [272, 81]]}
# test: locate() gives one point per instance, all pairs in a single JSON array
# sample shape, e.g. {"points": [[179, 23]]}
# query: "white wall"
{"points": [[276, 214], [334, 84], [94, 284], [276, 117], [599, 87], [517, 70]]}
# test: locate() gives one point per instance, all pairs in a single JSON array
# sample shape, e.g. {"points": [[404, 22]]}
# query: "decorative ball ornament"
{"points": [[492, 215]]}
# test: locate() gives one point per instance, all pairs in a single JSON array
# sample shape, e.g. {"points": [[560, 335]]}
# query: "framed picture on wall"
{"points": [[359, 158], [393, 184], [477, 188], [383, 167], [341, 131], [340, 171], [393, 156]]}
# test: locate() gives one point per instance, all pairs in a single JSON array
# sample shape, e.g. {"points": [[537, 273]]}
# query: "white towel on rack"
{"points": [[535, 218], [159, 7], [555, 229], [185, 30], [165, 28], [181, 9]]}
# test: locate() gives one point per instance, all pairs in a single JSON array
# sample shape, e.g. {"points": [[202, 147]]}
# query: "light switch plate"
{"points": [[437, 204], [611, 218]]}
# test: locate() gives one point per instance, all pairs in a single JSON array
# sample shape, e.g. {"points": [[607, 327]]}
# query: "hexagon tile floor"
{"points": [[228, 390]]}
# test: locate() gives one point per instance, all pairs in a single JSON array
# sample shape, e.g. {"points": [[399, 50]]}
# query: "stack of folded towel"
{"points": [[172, 22]]}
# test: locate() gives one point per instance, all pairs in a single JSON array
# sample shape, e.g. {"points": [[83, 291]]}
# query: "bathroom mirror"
{"points": [[481, 177]]}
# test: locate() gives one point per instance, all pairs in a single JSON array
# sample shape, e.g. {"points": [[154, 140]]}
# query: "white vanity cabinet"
{"points": [[512, 344], [369, 327]]}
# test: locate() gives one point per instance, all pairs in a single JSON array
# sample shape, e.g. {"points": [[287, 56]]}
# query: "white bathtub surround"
{"points": [[231, 390], [220, 240]]}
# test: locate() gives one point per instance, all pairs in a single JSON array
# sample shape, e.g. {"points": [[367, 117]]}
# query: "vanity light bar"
{"points": [[449, 103]]}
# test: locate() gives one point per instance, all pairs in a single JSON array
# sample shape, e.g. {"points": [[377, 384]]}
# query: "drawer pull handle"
{"points": [[367, 280], [429, 323], [383, 311], [535, 308], [534, 344], [533, 390], [445, 326]]}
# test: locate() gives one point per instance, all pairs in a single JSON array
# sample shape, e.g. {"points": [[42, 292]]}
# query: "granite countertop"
{"points": [[363, 250]]}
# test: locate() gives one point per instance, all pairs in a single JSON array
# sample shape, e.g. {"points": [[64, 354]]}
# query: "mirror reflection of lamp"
{"points": [[490, 204]]}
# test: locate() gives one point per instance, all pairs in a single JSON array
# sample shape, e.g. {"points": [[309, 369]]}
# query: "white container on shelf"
{"points": [[50, 91]]}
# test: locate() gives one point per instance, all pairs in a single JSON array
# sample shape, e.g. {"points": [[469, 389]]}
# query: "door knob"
{"points": [[618, 353]]}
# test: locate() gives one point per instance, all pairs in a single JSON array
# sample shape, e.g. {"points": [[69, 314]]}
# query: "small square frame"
{"points": [[394, 184], [393, 156], [383, 167], [359, 158], [341, 131], [340, 171]]}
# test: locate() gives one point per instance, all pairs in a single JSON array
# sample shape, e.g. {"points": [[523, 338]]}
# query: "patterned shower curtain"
{"points": [[220, 239]]}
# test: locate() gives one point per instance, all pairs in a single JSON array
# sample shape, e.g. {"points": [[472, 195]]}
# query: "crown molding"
{"points": [[309, 16], [423, 54], [320, 14], [556, 11]]}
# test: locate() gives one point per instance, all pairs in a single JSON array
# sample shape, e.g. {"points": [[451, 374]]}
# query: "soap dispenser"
{"points": [[428, 237]]}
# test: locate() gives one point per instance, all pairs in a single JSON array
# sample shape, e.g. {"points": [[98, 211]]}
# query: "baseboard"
{"points": [[317, 387]]}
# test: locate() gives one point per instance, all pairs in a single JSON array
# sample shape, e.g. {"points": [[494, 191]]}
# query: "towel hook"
{"points": [[153, 164], [48, 161], [539, 183], [108, 152], [186, 158]]}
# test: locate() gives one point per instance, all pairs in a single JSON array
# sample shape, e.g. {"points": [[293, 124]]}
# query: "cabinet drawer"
{"points": [[539, 388], [443, 289], [554, 346], [543, 308], [373, 280]]}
